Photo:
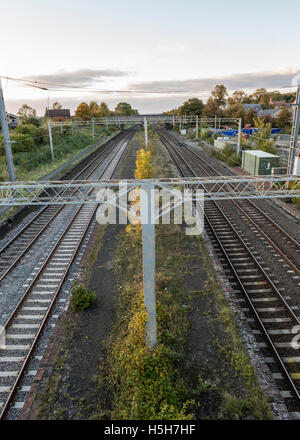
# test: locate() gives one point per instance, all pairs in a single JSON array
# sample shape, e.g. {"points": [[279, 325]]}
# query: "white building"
{"points": [[13, 120]]}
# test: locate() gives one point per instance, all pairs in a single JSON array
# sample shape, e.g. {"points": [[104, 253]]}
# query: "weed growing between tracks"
{"points": [[135, 383], [82, 298], [139, 384], [188, 375], [146, 384], [48, 396]]}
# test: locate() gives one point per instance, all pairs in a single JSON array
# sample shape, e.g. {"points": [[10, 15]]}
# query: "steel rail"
{"points": [[253, 204], [109, 144], [168, 143], [250, 202], [10, 320], [259, 229]]}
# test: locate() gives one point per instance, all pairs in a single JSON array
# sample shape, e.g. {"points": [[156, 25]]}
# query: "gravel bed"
{"points": [[14, 286]]}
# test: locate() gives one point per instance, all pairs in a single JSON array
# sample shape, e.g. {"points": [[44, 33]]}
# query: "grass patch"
{"points": [[37, 162], [48, 395], [228, 156], [92, 257], [146, 384]]}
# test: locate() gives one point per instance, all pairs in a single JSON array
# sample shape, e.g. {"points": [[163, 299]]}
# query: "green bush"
{"points": [[82, 298], [28, 129], [21, 143], [227, 155]]}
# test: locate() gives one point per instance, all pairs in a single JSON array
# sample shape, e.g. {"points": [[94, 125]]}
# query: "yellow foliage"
{"points": [[144, 168]]}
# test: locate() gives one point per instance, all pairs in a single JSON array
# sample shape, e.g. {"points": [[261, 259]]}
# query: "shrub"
{"points": [[21, 142], [82, 298], [28, 129], [227, 155]]}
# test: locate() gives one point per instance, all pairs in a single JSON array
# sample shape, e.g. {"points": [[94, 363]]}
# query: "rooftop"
{"points": [[268, 111], [250, 106], [260, 153], [57, 112]]}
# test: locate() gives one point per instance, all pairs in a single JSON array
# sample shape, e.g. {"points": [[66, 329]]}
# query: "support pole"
{"points": [[197, 127], [6, 137], [239, 136], [173, 121], [51, 140], [93, 128], [215, 122], [180, 123], [146, 131], [148, 235], [294, 137]]}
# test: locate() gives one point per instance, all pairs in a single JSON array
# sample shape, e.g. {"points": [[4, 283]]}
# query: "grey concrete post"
{"points": [[146, 131], [6, 137], [148, 234], [93, 128], [51, 140], [239, 136], [294, 136]]}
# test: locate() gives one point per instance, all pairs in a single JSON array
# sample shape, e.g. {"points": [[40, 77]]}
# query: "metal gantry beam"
{"points": [[139, 119], [216, 187]]}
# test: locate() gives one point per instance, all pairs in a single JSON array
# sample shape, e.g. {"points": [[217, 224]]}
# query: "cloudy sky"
{"points": [[154, 55]]}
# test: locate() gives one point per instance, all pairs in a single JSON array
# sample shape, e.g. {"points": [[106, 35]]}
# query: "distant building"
{"points": [[272, 112], [13, 120], [60, 114], [278, 104], [256, 107]]}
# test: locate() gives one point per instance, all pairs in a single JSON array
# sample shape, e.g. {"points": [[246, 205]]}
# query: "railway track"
{"points": [[263, 302], [280, 240], [26, 323], [17, 247]]}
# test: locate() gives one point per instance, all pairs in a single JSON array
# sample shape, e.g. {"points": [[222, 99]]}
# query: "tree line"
{"points": [[87, 111], [218, 104], [222, 105], [83, 111]]}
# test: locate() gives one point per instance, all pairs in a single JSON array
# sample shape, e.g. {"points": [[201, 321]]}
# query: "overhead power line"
{"points": [[49, 86]]}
